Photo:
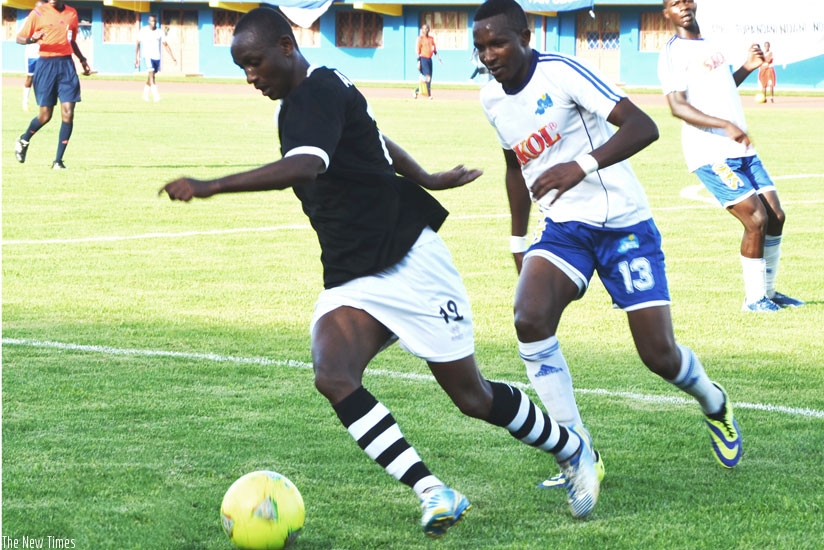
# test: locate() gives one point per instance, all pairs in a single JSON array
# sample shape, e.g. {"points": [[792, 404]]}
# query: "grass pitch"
{"points": [[153, 352]]}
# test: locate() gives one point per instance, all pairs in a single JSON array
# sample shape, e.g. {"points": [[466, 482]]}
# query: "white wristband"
{"points": [[587, 163], [518, 244]]}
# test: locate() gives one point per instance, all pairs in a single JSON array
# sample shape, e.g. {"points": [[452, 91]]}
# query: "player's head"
{"points": [[424, 30], [264, 46], [501, 35], [153, 21], [766, 46], [681, 13]]}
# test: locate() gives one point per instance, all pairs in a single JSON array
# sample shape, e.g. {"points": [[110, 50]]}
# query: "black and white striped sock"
{"points": [[371, 424], [513, 410]]}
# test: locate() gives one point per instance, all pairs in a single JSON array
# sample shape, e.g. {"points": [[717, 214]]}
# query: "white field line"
{"points": [[264, 361], [691, 192]]}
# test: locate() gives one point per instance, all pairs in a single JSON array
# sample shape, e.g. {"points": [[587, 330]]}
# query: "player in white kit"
{"points": [[701, 88], [554, 115]]}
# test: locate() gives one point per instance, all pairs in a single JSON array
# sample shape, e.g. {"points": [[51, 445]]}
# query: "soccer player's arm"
{"points": [[520, 204], [636, 130], [168, 48], [755, 57], [408, 167], [137, 53], [27, 35], [76, 49], [286, 172], [681, 108]]}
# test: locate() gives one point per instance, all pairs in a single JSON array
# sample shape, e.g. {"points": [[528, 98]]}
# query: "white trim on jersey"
{"points": [[557, 115], [586, 72], [309, 150]]}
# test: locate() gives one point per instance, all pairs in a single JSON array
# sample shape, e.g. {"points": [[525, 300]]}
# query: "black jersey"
{"points": [[365, 215]]}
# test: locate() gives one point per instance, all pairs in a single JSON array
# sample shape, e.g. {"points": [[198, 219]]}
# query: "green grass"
{"points": [[120, 431]]}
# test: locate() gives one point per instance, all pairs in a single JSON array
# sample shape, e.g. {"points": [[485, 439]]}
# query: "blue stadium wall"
{"points": [[395, 61]]}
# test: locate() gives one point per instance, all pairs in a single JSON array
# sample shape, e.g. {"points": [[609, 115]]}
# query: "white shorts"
{"points": [[421, 300]]}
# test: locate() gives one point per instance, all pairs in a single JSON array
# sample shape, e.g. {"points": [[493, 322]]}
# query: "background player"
{"points": [[766, 73], [554, 117], [148, 43], [54, 26], [387, 274], [426, 48], [700, 87]]}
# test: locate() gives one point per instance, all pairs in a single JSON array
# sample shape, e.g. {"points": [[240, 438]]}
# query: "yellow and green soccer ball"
{"points": [[262, 511]]}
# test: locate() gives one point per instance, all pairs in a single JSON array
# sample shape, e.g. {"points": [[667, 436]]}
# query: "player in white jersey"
{"points": [[148, 44], [553, 115], [701, 88]]}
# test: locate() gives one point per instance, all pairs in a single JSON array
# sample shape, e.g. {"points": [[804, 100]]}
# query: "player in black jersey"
{"points": [[387, 274]]}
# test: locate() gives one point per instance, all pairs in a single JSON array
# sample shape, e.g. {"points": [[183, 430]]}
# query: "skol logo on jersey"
{"points": [[714, 61], [537, 143], [544, 103], [630, 242]]}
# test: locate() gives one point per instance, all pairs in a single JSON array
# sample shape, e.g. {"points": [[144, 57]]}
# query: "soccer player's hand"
{"points": [[559, 178], [87, 70], [458, 176], [737, 134], [37, 36], [755, 57], [185, 189]]}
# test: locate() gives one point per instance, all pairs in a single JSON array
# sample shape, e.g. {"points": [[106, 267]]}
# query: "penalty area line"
{"points": [[264, 361]]}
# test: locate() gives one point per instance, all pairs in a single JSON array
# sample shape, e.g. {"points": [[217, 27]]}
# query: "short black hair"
{"points": [[513, 11], [268, 22]]}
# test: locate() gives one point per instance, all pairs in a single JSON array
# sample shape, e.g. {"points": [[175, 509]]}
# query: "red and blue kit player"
{"points": [[387, 274], [53, 26], [554, 116], [701, 89]]}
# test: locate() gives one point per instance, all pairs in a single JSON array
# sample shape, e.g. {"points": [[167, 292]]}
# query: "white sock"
{"points": [[772, 253], [549, 375], [693, 380], [155, 93], [755, 278], [146, 90], [26, 92]]}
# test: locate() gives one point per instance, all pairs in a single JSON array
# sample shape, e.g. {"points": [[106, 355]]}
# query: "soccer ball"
{"points": [[760, 98], [262, 511]]}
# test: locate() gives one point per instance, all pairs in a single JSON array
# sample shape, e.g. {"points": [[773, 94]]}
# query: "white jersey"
{"points": [[150, 40], [557, 115], [700, 70]]}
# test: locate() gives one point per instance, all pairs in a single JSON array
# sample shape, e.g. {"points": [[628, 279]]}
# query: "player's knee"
{"points": [[473, 404], [777, 218], [335, 381], [757, 222], [334, 385], [530, 325], [663, 359]]}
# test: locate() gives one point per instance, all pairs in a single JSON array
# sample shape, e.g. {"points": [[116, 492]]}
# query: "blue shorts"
{"points": [[32, 63], [629, 261], [56, 77], [153, 65], [734, 180], [426, 66]]}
